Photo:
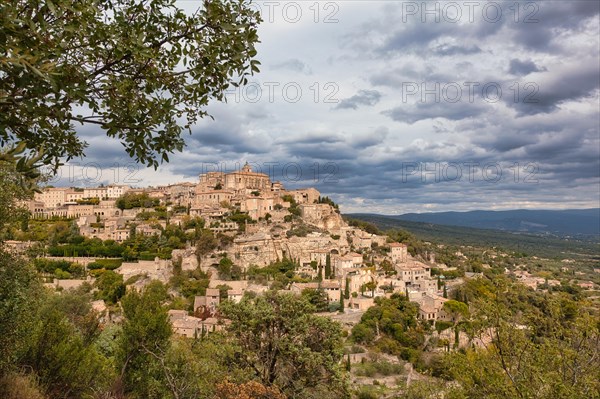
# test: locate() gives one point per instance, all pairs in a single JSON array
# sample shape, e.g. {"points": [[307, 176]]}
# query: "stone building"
{"points": [[324, 216], [330, 287], [399, 252], [304, 195], [430, 305]]}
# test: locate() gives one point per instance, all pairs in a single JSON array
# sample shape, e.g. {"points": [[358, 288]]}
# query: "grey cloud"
{"points": [[321, 151], [521, 68], [363, 97], [453, 111], [294, 65], [415, 36], [549, 21], [451, 49], [548, 90], [310, 138], [361, 167], [371, 139], [408, 74]]}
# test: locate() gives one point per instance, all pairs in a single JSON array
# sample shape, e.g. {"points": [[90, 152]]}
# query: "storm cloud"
{"points": [[353, 108]]}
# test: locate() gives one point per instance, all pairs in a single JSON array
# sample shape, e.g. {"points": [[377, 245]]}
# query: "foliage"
{"points": [[206, 244], [228, 270], [347, 288], [328, 266], [111, 287], [88, 247], [542, 346], [108, 264], [283, 269], [301, 230], [317, 298], [135, 200], [88, 201], [248, 390], [62, 352], [294, 209], [141, 71], [395, 318], [378, 368], [20, 386], [14, 187], [240, 218], [193, 283], [287, 345], [327, 200], [145, 339], [19, 291], [456, 309], [49, 266], [367, 392], [366, 226]]}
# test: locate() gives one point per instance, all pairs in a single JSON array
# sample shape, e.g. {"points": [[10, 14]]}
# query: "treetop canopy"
{"points": [[141, 70]]}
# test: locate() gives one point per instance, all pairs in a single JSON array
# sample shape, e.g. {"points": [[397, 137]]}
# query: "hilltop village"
{"points": [[228, 269], [257, 223]]}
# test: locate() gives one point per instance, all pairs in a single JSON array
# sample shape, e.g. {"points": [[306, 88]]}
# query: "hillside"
{"points": [[543, 246], [570, 222]]}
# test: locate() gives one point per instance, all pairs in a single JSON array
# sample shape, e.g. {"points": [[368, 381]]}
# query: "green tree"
{"points": [[371, 286], [456, 310], [394, 318], [347, 289], [19, 294], [111, 286], [317, 298], [543, 346], [18, 180], [134, 200], [228, 270], [144, 342], [387, 267], [287, 346], [206, 244], [141, 71], [62, 351], [328, 266], [224, 268]]}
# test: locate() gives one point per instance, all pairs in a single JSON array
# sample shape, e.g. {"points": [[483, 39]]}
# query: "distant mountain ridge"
{"points": [[568, 222]]}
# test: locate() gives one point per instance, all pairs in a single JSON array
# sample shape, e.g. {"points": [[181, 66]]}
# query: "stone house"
{"points": [[209, 302], [398, 252], [430, 305], [235, 295], [330, 287], [361, 303]]}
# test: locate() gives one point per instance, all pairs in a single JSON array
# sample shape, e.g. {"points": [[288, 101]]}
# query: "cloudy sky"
{"points": [[401, 106]]}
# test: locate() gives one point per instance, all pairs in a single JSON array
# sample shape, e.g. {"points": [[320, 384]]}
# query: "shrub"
{"points": [[441, 325], [49, 266], [367, 393], [18, 386], [108, 264]]}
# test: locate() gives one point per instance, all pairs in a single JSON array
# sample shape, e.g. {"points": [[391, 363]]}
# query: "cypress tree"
{"points": [[347, 289], [328, 266]]}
